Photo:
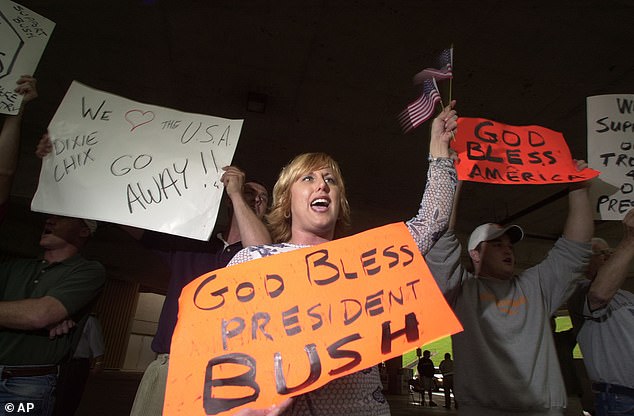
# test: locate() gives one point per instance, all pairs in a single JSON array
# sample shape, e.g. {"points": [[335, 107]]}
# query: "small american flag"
{"points": [[442, 69], [422, 109]]}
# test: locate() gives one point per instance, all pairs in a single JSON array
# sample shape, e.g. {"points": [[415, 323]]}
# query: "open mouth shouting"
{"points": [[320, 204]]}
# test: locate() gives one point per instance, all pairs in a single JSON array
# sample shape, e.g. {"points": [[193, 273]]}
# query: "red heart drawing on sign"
{"points": [[138, 118]]}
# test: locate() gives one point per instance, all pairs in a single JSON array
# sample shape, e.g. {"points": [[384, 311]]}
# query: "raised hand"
{"points": [[44, 146], [443, 130], [27, 88], [233, 179]]}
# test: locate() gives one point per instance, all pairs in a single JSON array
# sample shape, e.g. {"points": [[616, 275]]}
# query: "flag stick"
{"points": [[451, 79], [450, 85], [453, 135]]}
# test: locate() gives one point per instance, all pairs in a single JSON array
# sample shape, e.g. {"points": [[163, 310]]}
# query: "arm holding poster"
{"points": [[579, 225], [568, 259], [611, 268], [10, 137], [248, 205]]}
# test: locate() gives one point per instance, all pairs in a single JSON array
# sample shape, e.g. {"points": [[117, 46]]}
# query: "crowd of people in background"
{"points": [[430, 378], [505, 361]]}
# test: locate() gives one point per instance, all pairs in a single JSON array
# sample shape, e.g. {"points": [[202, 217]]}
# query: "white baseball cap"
{"points": [[491, 231]]}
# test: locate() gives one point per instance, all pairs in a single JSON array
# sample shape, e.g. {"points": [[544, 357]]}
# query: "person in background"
{"points": [[603, 318], [426, 369], [446, 368], [248, 204]]}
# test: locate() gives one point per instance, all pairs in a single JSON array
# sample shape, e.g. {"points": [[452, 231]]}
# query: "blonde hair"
{"points": [[279, 217]]}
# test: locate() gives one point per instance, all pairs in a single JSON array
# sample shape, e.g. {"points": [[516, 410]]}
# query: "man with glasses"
{"points": [[603, 317], [248, 203]]}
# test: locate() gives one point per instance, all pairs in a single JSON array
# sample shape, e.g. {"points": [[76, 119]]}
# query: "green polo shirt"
{"points": [[75, 282]]}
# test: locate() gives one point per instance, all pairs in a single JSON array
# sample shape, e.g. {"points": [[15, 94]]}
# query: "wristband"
{"points": [[430, 158]]}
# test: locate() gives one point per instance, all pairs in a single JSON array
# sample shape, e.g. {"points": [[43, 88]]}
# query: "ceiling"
{"points": [[337, 73]]}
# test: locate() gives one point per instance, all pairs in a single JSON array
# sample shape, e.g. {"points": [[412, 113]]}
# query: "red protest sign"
{"points": [[255, 333], [514, 155]]}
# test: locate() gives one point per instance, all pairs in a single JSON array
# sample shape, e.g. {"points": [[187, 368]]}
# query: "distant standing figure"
{"points": [[446, 368], [426, 373]]}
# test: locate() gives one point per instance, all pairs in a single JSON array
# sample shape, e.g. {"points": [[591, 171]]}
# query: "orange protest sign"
{"points": [[256, 333], [514, 155]]}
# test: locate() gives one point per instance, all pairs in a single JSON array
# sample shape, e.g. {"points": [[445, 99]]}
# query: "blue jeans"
{"points": [[613, 404], [28, 395]]}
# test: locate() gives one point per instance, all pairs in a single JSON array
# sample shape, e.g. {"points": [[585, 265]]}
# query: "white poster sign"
{"points": [[136, 164], [611, 151], [23, 37]]}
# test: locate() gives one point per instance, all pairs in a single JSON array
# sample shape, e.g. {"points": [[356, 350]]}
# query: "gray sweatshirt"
{"points": [[505, 359]]}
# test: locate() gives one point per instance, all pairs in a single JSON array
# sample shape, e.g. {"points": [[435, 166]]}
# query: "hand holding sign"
{"points": [[233, 180], [44, 146], [514, 155], [26, 88]]}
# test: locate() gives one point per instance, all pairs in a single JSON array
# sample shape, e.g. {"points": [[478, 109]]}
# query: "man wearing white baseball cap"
{"points": [[491, 231], [505, 359], [492, 234]]}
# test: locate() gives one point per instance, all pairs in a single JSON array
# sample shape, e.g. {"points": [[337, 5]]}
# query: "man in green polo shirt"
{"points": [[35, 295]]}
